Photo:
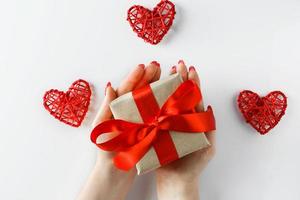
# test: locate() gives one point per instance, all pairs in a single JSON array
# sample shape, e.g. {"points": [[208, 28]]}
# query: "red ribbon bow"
{"points": [[176, 114]]}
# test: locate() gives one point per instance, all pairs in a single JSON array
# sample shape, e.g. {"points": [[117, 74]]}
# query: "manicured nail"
{"points": [[174, 68], [181, 62], [155, 63], [142, 66], [107, 85], [192, 68]]}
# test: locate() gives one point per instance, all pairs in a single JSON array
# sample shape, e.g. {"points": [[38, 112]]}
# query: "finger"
{"points": [[104, 112], [157, 75], [173, 70], [152, 71], [182, 70], [193, 75], [131, 80], [211, 136]]}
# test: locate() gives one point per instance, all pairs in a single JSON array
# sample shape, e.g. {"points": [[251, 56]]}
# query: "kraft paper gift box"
{"points": [[124, 107]]}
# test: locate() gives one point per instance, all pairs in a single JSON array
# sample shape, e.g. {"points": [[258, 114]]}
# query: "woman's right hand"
{"points": [[106, 182]]}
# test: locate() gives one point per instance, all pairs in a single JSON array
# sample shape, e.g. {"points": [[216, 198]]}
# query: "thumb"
{"points": [[104, 112]]}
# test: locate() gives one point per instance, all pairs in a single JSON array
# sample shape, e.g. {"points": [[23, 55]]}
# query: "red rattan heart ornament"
{"points": [[69, 107], [153, 25], [263, 113]]}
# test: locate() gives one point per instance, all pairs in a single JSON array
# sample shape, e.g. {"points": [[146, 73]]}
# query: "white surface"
{"points": [[234, 44]]}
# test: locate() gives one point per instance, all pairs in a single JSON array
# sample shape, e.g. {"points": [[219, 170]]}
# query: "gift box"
{"points": [[137, 116]]}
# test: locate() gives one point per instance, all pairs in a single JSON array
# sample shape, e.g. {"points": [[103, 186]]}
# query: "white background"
{"points": [[235, 45]]}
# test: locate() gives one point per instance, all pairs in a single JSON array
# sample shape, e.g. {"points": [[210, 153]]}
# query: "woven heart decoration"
{"points": [[262, 113], [69, 107], [153, 25]]}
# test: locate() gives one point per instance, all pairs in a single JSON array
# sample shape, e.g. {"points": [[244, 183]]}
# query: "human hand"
{"points": [[179, 179], [139, 77], [106, 181]]}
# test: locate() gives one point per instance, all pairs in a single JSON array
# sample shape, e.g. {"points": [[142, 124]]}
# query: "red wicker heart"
{"points": [[152, 26], [69, 107], [262, 113]]}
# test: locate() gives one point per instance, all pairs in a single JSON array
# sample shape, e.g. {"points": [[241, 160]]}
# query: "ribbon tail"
{"points": [[127, 159], [124, 138]]}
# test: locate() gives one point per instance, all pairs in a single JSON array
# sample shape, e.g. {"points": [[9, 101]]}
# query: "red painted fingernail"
{"points": [[107, 85], [192, 68], [155, 63], [174, 68], [142, 66], [180, 62]]}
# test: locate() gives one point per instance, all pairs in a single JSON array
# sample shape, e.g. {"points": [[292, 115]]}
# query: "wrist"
{"points": [[108, 170], [170, 188], [107, 182]]}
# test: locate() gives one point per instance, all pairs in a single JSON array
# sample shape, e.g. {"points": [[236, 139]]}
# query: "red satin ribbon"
{"points": [[135, 139], [148, 108]]}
